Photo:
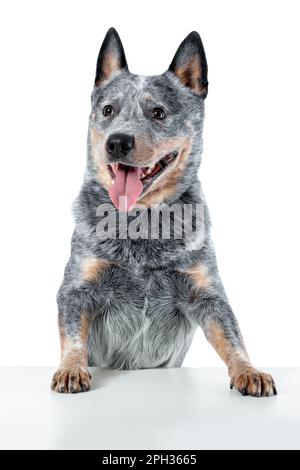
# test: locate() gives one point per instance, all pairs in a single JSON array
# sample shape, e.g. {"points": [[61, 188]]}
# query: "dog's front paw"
{"points": [[73, 379], [250, 381]]}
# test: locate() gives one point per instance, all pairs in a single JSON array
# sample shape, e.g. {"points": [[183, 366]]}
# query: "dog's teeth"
{"points": [[145, 173]]}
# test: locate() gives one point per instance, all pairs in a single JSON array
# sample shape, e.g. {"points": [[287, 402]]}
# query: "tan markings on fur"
{"points": [[104, 175], [73, 376], [93, 267], [199, 275], [97, 138], [74, 349], [165, 186], [98, 151], [190, 75], [222, 345], [61, 333], [109, 67], [146, 153], [237, 361]]}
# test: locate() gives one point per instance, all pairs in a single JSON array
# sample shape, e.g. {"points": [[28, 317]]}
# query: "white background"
{"points": [[250, 169]]}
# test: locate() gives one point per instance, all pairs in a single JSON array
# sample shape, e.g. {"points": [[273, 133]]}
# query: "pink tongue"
{"points": [[126, 188]]}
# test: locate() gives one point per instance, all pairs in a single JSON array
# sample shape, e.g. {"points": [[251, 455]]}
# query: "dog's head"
{"points": [[145, 132]]}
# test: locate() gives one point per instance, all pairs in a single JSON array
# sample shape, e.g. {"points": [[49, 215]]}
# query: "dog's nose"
{"points": [[119, 145]]}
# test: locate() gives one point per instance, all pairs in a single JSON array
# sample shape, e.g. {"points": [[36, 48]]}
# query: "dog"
{"points": [[135, 302]]}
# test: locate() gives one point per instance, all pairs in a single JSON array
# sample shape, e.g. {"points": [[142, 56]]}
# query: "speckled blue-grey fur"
{"points": [[144, 310]]}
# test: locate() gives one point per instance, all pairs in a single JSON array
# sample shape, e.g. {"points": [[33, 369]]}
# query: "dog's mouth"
{"points": [[130, 182]]}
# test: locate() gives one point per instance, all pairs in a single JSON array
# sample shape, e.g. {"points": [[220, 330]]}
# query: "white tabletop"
{"points": [[147, 409]]}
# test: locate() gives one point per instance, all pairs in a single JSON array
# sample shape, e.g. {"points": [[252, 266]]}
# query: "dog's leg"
{"points": [[222, 331], [77, 300], [72, 375], [213, 312]]}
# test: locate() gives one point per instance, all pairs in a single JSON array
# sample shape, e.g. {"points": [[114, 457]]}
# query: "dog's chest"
{"points": [[139, 323], [137, 295]]}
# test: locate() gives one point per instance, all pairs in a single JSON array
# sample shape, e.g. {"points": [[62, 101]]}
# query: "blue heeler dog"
{"points": [[135, 302]]}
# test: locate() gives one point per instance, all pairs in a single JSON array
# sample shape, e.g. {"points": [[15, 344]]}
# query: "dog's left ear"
{"points": [[111, 58], [190, 66]]}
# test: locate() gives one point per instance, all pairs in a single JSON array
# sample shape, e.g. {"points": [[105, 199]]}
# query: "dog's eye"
{"points": [[108, 110], [158, 113]]}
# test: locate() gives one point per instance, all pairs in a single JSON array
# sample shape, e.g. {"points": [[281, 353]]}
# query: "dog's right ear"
{"points": [[111, 58]]}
